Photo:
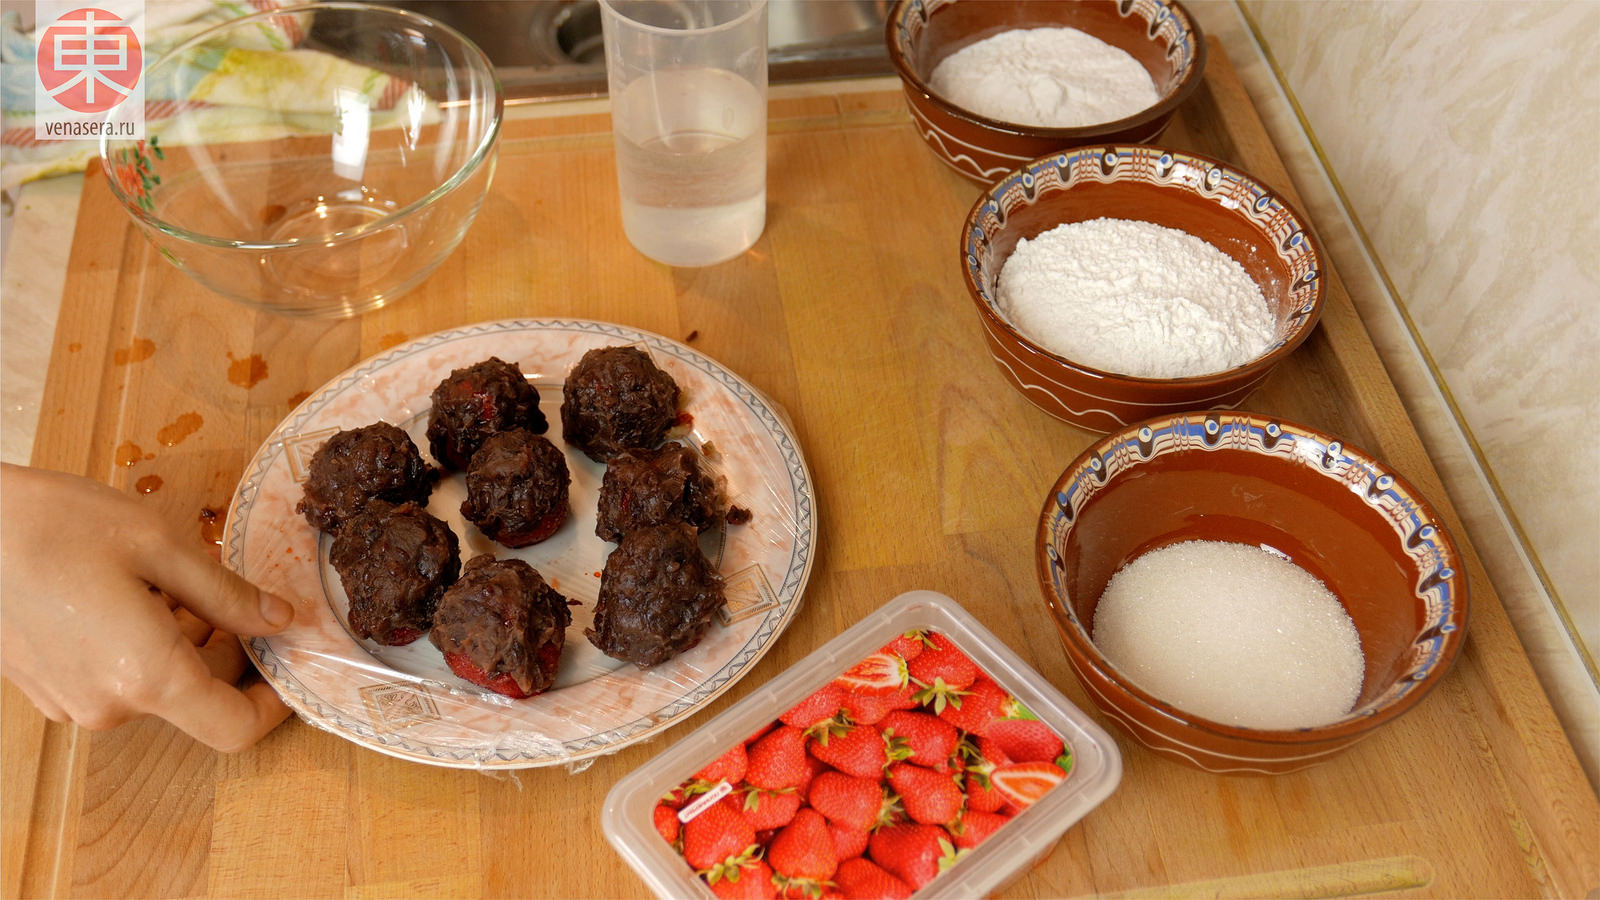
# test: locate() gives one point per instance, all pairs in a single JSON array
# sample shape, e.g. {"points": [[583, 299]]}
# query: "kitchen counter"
{"points": [[242, 793]]}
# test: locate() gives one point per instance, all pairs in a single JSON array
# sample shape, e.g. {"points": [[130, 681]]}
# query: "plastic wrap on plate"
{"points": [[405, 700], [914, 754]]}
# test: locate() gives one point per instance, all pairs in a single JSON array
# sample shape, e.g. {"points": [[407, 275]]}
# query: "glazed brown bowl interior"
{"points": [[1246, 478], [1243, 499]]}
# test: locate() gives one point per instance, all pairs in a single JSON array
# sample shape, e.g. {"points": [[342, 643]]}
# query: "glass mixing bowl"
{"points": [[317, 160]]}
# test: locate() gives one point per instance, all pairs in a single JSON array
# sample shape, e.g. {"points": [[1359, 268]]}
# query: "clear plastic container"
{"points": [[1094, 765]]}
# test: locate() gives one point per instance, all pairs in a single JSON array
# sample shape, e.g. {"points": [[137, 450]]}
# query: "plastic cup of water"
{"points": [[688, 85]]}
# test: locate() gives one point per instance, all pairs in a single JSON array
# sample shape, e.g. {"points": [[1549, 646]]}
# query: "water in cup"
{"points": [[691, 164]]}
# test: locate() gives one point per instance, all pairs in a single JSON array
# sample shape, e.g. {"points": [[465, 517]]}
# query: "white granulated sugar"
{"points": [[1135, 298], [1047, 77], [1231, 632]]}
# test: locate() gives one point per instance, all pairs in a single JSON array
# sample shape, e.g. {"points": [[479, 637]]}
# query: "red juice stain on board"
{"points": [[299, 398], [392, 339], [149, 484], [173, 434], [140, 350], [247, 372], [74, 347], [210, 526]]}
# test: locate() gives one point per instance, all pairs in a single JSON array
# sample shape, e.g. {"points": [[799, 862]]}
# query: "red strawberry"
{"points": [[666, 821], [678, 797], [803, 850], [853, 749], [975, 827], [981, 795], [943, 661], [467, 670], [880, 673], [869, 709], [862, 879], [847, 842], [717, 833], [1025, 739], [847, 800], [973, 710], [907, 645], [748, 879], [778, 759], [728, 767], [824, 703], [922, 738], [914, 853], [814, 767], [759, 732], [932, 798], [769, 809], [1023, 783]]}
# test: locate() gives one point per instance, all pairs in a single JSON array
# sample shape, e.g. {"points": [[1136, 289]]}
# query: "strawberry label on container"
{"points": [[870, 787]]}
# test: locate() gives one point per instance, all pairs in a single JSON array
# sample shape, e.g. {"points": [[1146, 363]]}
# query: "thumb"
{"points": [[217, 594]]}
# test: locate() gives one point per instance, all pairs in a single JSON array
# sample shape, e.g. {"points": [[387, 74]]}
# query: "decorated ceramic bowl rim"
{"points": [[479, 156], [1169, 101], [1301, 328], [1450, 624]]}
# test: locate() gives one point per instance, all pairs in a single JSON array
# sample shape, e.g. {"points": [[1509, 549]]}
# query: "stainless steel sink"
{"points": [[553, 49]]}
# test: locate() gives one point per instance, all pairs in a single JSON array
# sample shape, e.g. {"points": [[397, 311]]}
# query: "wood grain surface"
{"points": [[930, 473]]}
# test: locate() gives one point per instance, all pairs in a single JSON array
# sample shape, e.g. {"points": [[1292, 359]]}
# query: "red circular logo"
{"points": [[89, 60]]}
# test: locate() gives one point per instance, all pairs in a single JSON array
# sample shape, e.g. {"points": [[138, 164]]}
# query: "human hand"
{"points": [[107, 615]]}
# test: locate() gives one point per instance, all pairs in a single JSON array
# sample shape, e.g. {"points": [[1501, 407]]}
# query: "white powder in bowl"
{"points": [[1045, 77], [1231, 632], [1134, 298]]}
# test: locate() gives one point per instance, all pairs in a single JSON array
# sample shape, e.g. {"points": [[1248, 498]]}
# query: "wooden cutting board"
{"points": [[929, 473]]}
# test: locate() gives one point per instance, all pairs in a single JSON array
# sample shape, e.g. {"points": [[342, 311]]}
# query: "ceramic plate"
{"points": [[403, 700]]}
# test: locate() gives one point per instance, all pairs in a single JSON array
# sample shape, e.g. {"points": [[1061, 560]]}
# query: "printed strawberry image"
{"points": [[778, 759], [1022, 784], [750, 878], [929, 797], [856, 803], [1024, 738], [802, 854], [715, 836], [861, 879], [869, 787], [915, 853], [854, 749]]}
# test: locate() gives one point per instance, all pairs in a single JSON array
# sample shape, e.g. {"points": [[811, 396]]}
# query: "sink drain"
{"points": [[578, 34]]}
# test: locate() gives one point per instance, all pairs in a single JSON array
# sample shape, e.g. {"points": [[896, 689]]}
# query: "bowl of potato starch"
{"points": [[1121, 282], [991, 85]]}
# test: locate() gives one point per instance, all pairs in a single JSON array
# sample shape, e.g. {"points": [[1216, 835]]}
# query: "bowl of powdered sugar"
{"points": [[992, 84], [1115, 283], [1245, 594]]}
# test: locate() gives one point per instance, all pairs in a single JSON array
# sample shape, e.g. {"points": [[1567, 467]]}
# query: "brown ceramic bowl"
{"points": [[1209, 199], [1247, 478], [920, 33]]}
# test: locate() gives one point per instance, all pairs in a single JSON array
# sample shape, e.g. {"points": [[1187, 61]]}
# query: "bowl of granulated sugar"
{"points": [[1114, 283], [991, 84], [1248, 595]]}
